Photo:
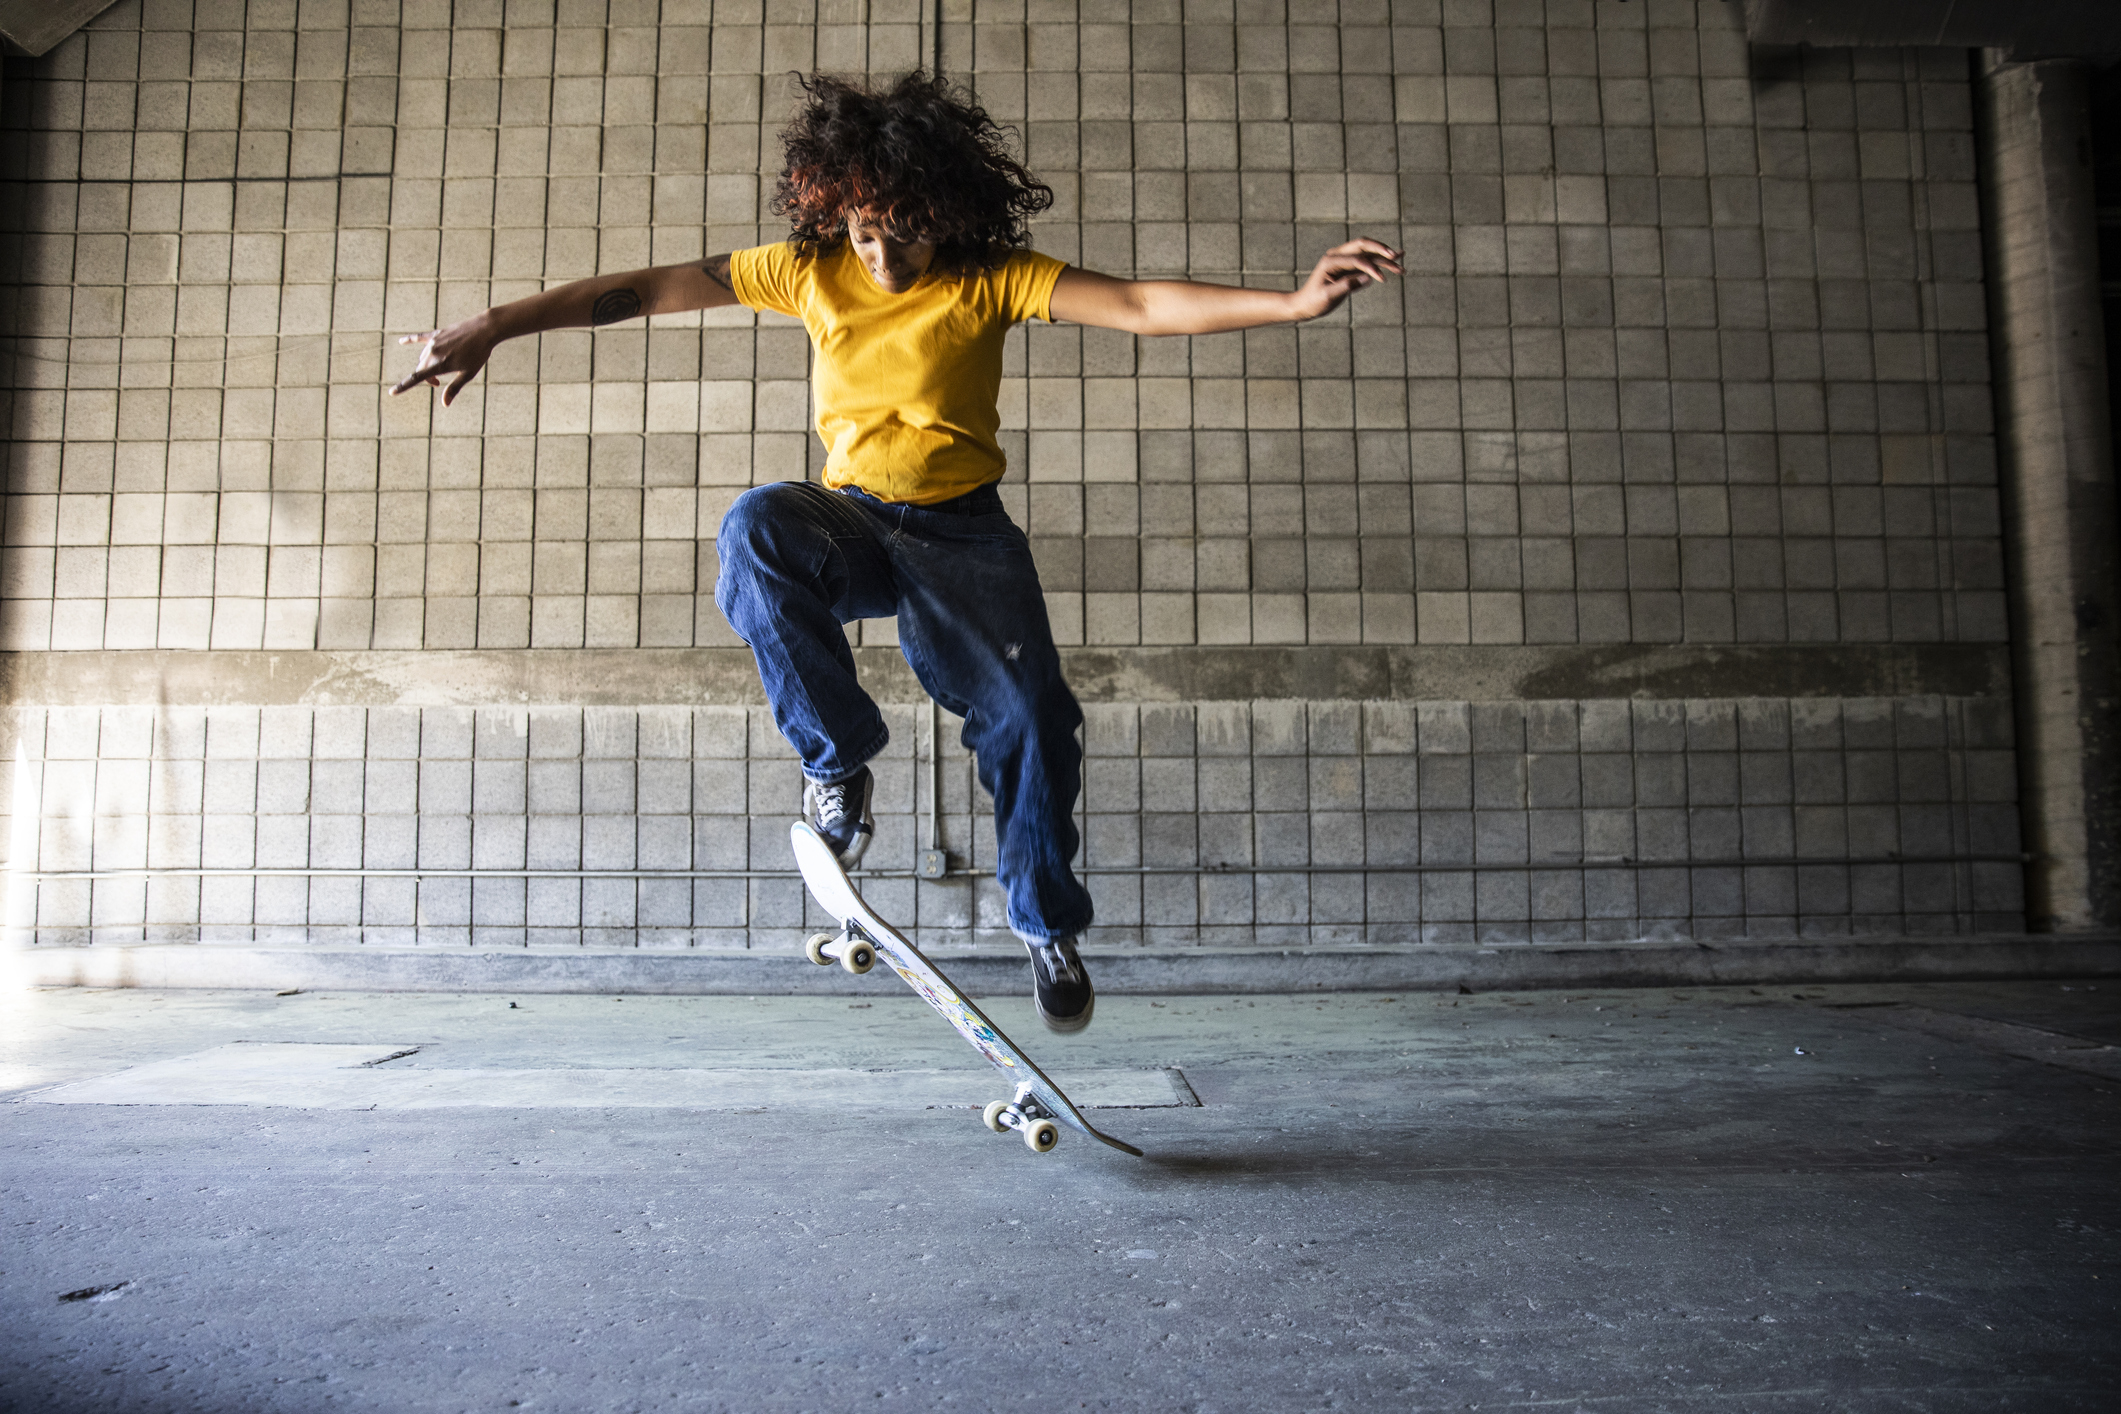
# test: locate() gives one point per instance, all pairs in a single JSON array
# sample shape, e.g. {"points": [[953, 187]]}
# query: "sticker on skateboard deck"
{"points": [[1038, 1108]]}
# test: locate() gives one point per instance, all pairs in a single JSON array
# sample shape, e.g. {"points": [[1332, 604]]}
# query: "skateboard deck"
{"points": [[1038, 1106]]}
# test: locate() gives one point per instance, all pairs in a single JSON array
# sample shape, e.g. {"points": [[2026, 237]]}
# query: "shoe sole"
{"points": [[1065, 1024], [854, 856]]}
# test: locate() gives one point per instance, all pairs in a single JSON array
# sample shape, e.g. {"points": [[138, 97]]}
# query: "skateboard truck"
{"points": [[1025, 1115], [850, 948]]}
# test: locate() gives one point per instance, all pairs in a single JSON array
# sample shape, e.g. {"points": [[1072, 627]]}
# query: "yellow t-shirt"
{"points": [[907, 385]]}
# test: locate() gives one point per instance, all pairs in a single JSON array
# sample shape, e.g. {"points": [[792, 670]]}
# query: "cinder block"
{"points": [[230, 787], [663, 842], [1714, 833], [1445, 728], [610, 904], [1170, 902], [663, 904], [1499, 782], [284, 732], [662, 787], [555, 733], [718, 732], [498, 786], [1111, 730], [1665, 894], [1391, 838], [337, 785], [1711, 726], [1112, 784], [1333, 728], [553, 903], [1446, 898], [498, 841], [499, 903], [445, 732], [1764, 725], [1766, 778], [445, 841], [1502, 900], [443, 904], [1555, 895], [1770, 901], [281, 900], [1113, 840], [501, 733], [335, 842], [608, 786], [1660, 834], [1280, 783], [1610, 894], [1556, 834], [120, 842], [717, 904], [1168, 783], [609, 842], [1447, 837], [173, 841], [1336, 782], [1712, 778], [394, 733], [1170, 839], [1446, 783], [1870, 777], [1552, 781], [1501, 836], [444, 787], [1390, 728], [180, 734], [1225, 784]]}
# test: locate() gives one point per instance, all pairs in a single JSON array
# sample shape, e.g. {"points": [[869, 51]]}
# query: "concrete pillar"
{"points": [[2055, 440]]}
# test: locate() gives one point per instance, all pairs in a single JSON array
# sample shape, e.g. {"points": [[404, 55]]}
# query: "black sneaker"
{"points": [[840, 814], [1060, 984]]}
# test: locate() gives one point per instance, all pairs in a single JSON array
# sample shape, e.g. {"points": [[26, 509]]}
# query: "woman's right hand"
{"points": [[460, 350]]}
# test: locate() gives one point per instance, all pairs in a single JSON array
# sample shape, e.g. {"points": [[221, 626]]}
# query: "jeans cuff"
{"points": [[868, 754]]}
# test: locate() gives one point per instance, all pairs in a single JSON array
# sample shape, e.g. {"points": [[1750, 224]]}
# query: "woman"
{"points": [[908, 261]]}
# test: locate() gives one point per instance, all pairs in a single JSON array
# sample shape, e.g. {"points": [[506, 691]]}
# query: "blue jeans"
{"points": [[798, 561]]}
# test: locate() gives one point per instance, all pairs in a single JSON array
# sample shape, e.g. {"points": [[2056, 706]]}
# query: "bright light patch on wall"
{"points": [[21, 902]]}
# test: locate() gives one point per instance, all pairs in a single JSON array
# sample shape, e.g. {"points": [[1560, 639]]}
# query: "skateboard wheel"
{"points": [[857, 958], [815, 949], [1041, 1135], [992, 1116]]}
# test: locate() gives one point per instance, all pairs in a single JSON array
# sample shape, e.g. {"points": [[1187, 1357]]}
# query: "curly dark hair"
{"points": [[920, 155]]}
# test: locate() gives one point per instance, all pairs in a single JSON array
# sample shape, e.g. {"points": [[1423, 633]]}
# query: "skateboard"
{"points": [[1038, 1108]]}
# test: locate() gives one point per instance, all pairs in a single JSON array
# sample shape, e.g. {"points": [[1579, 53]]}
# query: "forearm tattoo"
{"points": [[613, 306], [717, 270]]}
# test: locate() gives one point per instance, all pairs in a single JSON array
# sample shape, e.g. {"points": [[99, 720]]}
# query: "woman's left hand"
{"points": [[1342, 271]]}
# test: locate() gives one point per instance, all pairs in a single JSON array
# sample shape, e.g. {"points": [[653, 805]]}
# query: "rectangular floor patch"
{"points": [[2009, 1038], [330, 1077]]}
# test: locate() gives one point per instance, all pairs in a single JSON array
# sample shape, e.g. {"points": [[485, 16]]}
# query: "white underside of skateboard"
{"points": [[1037, 1108]]}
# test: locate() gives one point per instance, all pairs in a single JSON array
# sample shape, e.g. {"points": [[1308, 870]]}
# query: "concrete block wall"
{"points": [[1689, 358], [1227, 824]]}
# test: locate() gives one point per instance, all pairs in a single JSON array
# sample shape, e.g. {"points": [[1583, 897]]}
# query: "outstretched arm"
{"points": [[461, 350], [1191, 307]]}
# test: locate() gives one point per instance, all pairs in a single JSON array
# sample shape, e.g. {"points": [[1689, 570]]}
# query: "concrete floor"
{"points": [[1790, 1198]]}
